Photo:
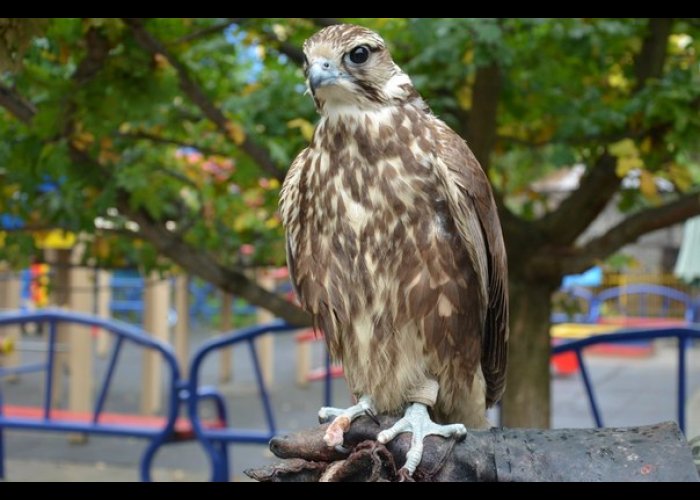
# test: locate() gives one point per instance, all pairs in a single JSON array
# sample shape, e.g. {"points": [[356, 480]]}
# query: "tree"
{"points": [[174, 134]]}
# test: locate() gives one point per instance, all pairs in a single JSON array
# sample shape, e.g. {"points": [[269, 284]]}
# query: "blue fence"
{"points": [[592, 304], [682, 334], [180, 393], [189, 394]]}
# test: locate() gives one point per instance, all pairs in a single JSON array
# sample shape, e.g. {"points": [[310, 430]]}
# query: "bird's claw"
{"points": [[417, 421], [342, 420]]}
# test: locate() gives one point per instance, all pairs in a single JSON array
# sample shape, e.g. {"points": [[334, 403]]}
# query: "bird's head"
{"points": [[349, 66]]}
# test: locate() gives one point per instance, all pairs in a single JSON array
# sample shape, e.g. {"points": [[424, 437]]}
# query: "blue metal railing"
{"points": [[644, 291], [595, 302], [179, 392], [216, 441], [124, 332], [682, 334]]}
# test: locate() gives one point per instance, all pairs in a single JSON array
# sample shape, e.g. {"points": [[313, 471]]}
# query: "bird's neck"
{"points": [[352, 117]]}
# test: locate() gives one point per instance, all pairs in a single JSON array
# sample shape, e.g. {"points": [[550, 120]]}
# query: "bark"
{"points": [[539, 264], [650, 63], [551, 263], [482, 133], [199, 263], [324, 22], [21, 109], [660, 453], [526, 401]]}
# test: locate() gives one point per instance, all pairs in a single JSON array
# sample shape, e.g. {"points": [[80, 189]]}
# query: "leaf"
{"points": [[680, 176], [628, 158], [235, 132], [305, 126], [626, 164], [625, 147], [648, 186]]}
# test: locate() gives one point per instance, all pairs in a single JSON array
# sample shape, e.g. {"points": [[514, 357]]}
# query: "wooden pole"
{"points": [[156, 302], [80, 346], [60, 260], [303, 359], [10, 290], [182, 327], [226, 359], [104, 297], [265, 345]]}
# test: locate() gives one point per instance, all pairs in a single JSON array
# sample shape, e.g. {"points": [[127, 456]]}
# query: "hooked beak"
{"points": [[323, 73]]}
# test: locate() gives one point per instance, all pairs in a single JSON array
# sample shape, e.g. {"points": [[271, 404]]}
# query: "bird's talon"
{"points": [[405, 476], [372, 415], [341, 420], [342, 449]]}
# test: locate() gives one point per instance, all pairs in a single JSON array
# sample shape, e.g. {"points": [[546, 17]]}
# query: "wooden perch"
{"points": [[648, 453]]}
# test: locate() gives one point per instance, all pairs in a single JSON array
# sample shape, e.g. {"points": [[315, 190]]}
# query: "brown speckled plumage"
{"points": [[394, 243]]}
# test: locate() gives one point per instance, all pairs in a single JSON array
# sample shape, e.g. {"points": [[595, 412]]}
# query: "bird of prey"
{"points": [[395, 247]]}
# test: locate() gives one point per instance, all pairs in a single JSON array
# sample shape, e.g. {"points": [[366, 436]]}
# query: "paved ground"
{"points": [[630, 392]]}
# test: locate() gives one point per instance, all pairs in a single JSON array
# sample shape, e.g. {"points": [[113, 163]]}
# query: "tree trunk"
{"points": [[526, 402]]}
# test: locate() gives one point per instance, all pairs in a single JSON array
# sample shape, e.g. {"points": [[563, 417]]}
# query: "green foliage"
{"points": [[568, 94]]}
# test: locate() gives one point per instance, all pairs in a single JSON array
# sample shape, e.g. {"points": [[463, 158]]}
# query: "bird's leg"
{"points": [[343, 418], [416, 420]]}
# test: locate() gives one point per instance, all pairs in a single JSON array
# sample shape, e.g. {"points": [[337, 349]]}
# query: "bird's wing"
{"points": [[472, 206], [289, 210], [308, 263]]}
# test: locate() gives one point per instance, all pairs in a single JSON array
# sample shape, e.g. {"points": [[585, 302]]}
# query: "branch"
{"points": [[576, 212], [508, 455], [650, 63], [211, 30], [169, 244], [206, 267], [19, 107], [601, 182], [481, 132], [146, 136], [324, 22], [626, 232], [97, 46], [294, 53], [195, 92]]}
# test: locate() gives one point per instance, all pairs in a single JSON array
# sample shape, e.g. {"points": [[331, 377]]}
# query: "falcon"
{"points": [[395, 248]]}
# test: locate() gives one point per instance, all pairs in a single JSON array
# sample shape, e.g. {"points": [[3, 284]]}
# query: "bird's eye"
{"points": [[359, 55]]}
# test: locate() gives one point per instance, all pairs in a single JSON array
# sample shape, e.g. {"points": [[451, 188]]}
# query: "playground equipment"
{"points": [[627, 306], [214, 435], [683, 336]]}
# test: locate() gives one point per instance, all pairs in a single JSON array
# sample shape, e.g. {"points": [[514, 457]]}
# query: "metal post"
{"points": [[266, 343], [226, 355], [182, 327]]}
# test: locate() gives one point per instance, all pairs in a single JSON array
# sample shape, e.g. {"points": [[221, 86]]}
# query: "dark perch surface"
{"points": [[649, 453]]}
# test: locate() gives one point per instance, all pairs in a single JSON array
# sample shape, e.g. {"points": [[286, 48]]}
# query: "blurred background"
{"points": [[140, 168]]}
